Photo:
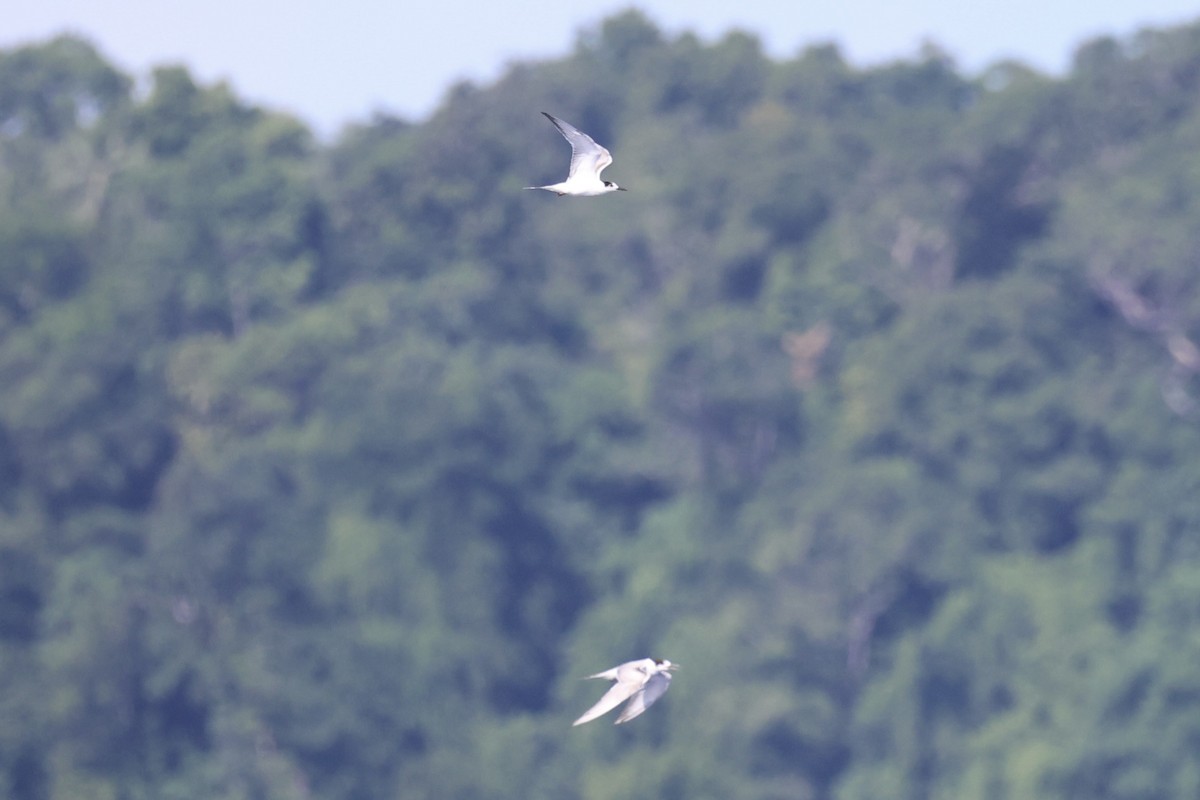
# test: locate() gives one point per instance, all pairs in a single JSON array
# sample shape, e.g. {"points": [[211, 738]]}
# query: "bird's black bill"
{"points": [[622, 189]]}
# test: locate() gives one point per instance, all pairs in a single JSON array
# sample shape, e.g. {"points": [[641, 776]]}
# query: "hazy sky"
{"points": [[333, 61]]}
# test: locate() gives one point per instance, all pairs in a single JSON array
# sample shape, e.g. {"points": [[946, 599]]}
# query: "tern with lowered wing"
{"points": [[588, 160], [640, 682]]}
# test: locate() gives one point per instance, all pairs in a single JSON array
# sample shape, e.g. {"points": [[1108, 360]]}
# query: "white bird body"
{"points": [[588, 160], [640, 682]]}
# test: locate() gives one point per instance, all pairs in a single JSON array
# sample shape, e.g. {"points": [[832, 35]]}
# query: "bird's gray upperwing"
{"points": [[618, 693], [655, 688], [586, 155]]}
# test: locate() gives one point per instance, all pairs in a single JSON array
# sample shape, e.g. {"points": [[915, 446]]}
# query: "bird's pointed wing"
{"points": [[586, 155], [618, 693], [655, 688]]}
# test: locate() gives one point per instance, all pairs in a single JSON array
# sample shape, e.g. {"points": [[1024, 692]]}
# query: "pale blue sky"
{"points": [[334, 61]]}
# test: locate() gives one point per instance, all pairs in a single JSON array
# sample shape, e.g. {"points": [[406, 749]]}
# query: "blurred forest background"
{"points": [[328, 469]]}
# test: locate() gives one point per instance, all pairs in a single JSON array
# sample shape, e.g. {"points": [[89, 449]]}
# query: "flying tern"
{"points": [[588, 160], [640, 682]]}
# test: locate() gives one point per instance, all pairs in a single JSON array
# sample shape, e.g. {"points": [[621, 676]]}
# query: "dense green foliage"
{"points": [[327, 470]]}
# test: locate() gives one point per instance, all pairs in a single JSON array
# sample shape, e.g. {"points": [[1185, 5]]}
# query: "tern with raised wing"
{"points": [[640, 682], [588, 160]]}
